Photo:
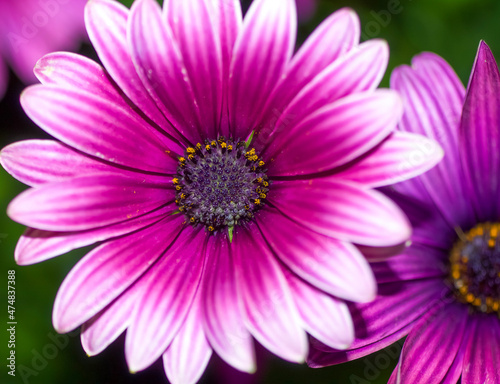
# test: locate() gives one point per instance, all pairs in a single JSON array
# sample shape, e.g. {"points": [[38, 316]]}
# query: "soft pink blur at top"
{"points": [[30, 29]]}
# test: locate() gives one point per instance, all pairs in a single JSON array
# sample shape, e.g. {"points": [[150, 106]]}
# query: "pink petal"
{"points": [[433, 109], [111, 322], [98, 127], [271, 315], [361, 69], [431, 347], [479, 141], [186, 358], [37, 162], [335, 134], [152, 47], [89, 202], [400, 157], [482, 351], [335, 36], [194, 27], [328, 264], [102, 275], [342, 210], [222, 313], [263, 49], [166, 299], [106, 22], [36, 245], [324, 317]]}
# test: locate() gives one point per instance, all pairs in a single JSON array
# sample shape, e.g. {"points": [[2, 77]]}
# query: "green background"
{"points": [[451, 28]]}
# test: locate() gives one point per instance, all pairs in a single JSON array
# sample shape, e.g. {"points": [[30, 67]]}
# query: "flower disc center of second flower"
{"points": [[220, 184], [475, 267]]}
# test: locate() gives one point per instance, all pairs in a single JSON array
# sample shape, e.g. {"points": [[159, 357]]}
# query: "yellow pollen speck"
{"points": [[190, 150], [192, 220], [223, 145], [183, 196], [261, 163], [213, 143], [229, 147], [257, 201], [207, 147], [265, 184], [182, 159], [491, 243], [190, 157], [469, 297], [211, 229], [259, 180], [178, 188], [263, 195], [175, 180], [198, 145]]}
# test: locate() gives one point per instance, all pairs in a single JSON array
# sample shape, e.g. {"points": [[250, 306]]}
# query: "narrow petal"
{"points": [[328, 264], [361, 69], [387, 319], [323, 317], [222, 311], [335, 36], [186, 358], [482, 351], [433, 109], [36, 245], [106, 22], [342, 210], [152, 46], [37, 162], [400, 157], [98, 127], [88, 202], [335, 134], [480, 135], [194, 27], [166, 300], [271, 314], [111, 322], [263, 48], [431, 347], [102, 275]]}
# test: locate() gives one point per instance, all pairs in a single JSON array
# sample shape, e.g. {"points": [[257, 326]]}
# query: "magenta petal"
{"points": [[359, 70], [106, 22], [166, 299], [94, 125], [152, 45], [323, 317], [480, 135], [194, 27], [224, 321], [89, 202], [328, 264], [433, 343], [262, 49], [400, 157], [335, 134], [271, 314], [384, 321], [433, 109], [329, 41], [37, 162], [36, 245], [342, 210], [186, 358], [107, 271], [482, 351], [111, 322]]}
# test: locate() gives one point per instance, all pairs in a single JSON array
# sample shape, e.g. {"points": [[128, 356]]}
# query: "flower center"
{"points": [[220, 184], [475, 268]]}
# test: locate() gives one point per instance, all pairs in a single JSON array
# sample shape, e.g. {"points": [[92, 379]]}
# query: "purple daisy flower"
{"points": [[30, 29], [225, 178], [444, 290]]}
